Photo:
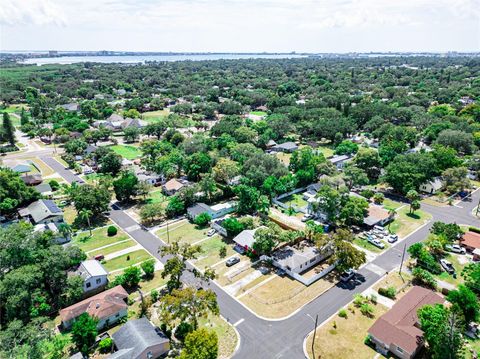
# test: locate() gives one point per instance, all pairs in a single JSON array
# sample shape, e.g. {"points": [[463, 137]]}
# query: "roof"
{"points": [[197, 209], [471, 239], [115, 118], [71, 106], [135, 336], [293, 257], [246, 237], [397, 326], [43, 188], [91, 268], [436, 183], [32, 179], [286, 146], [224, 205], [173, 184], [90, 149], [375, 215], [337, 158], [22, 168], [42, 209], [102, 305]]}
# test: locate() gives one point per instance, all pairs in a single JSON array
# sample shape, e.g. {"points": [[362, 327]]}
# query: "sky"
{"points": [[241, 25]]}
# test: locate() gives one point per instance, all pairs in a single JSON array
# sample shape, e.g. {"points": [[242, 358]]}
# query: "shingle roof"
{"points": [[397, 326], [471, 239], [22, 168], [91, 268], [173, 184], [135, 337], [375, 215], [43, 208], [43, 188], [102, 305], [246, 237], [286, 146], [197, 209], [293, 257]]}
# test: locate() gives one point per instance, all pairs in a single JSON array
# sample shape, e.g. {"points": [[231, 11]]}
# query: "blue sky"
{"points": [[243, 26]]}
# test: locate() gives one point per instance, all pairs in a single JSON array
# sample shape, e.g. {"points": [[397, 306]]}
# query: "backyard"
{"points": [[153, 116], [405, 222], [98, 239], [458, 262], [295, 200], [211, 251], [126, 260], [127, 151]]}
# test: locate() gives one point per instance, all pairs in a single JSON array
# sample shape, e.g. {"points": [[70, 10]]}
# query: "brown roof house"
{"points": [[377, 216], [397, 331], [173, 186], [470, 241], [108, 307]]}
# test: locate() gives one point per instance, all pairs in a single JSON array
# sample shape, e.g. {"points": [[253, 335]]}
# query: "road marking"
{"points": [[239, 322], [132, 228]]}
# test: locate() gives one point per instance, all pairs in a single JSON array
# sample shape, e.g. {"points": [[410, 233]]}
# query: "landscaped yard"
{"points": [[98, 239], [326, 150], [295, 200], [183, 232], [368, 246], [156, 196], [211, 248], [227, 337], [153, 116], [126, 260], [69, 214], [258, 113], [281, 296], [402, 284], [127, 151], [284, 157], [113, 248], [388, 204], [344, 337], [405, 223], [458, 265]]}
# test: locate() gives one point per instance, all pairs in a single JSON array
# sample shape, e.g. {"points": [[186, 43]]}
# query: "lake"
{"points": [[134, 59]]}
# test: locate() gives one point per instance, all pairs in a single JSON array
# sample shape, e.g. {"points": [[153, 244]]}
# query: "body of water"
{"points": [[135, 59]]}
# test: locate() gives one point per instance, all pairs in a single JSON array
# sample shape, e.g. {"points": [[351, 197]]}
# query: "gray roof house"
{"points": [[339, 161], [285, 147], [246, 238], [44, 189], [93, 274], [21, 168], [139, 339], [215, 211], [43, 211]]}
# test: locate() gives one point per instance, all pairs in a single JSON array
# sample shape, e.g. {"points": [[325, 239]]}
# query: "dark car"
{"points": [[232, 261]]}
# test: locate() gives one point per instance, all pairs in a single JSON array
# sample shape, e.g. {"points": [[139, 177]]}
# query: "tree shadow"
{"points": [[413, 215]]}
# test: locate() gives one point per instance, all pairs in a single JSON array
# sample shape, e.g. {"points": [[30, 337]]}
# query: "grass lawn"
{"points": [[295, 200], [368, 246], [98, 239], [281, 296], [388, 204], [183, 232], [471, 344], [61, 161], [42, 167], [284, 157], [258, 113], [326, 150], [145, 285], [393, 279], [405, 223], [211, 248], [227, 337], [69, 214], [452, 258], [113, 248], [156, 196], [126, 151], [154, 116], [346, 340], [126, 260]]}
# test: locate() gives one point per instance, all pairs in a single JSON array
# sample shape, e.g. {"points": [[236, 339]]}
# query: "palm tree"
{"points": [[65, 230], [391, 212], [86, 214]]}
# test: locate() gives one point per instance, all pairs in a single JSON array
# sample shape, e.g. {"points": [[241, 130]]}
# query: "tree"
{"points": [[232, 226], [148, 268], [344, 254], [129, 278], [225, 170], [131, 134], [414, 206], [86, 215], [467, 302], [248, 198], [368, 160], [84, 331], [203, 219], [200, 344], [13, 192], [110, 163], [471, 274], [414, 198], [450, 231], [353, 211], [459, 140], [155, 129], [265, 241], [208, 186], [188, 305], [76, 147], [176, 264], [197, 164], [94, 198], [355, 176], [8, 129], [442, 330], [456, 179], [175, 206], [346, 147], [125, 186], [378, 198], [151, 212]]}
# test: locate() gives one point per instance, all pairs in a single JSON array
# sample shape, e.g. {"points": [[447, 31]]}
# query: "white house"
{"points": [[339, 161], [93, 274], [215, 211], [432, 186]]}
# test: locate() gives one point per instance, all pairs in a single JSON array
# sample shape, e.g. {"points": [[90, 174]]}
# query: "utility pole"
{"points": [[401, 263], [168, 233], [314, 335]]}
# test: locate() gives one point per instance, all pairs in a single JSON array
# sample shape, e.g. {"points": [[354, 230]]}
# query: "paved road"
{"points": [[284, 339]]}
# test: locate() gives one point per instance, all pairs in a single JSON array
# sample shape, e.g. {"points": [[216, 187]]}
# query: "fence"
{"points": [[277, 200]]}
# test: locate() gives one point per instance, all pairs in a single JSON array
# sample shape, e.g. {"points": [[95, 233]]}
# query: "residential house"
{"points": [[173, 186], [397, 331], [287, 147], [217, 225], [270, 144], [152, 179], [21, 168], [71, 107], [339, 161], [108, 307], [377, 216], [470, 241], [42, 211], [32, 179], [432, 186], [297, 259], [139, 339], [45, 189], [312, 190], [94, 275], [58, 236], [246, 238], [215, 211]]}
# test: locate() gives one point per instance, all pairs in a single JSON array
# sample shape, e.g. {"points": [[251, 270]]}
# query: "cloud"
{"points": [[36, 12]]}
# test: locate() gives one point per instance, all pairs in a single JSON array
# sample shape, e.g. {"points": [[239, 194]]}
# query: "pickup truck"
{"points": [[455, 248], [376, 242], [447, 266]]}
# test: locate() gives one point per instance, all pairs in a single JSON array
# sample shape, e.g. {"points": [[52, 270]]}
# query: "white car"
{"points": [[211, 232], [380, 229], [347, 275], [376, 242], [447, 266], [392, 238], [455, 248], [307, 217]]}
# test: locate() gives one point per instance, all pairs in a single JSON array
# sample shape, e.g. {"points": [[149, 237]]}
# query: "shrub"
{"points": [[203, 219], [424, 277], [222, 251], [378, 198], [54, 185], [105, 345], [366, 309], [148, 268], [112, 231], [342, 313], [367, 193], [182, 330], [358, 300], [474, 229], [373, 299], [154, 294], [389, 292]]}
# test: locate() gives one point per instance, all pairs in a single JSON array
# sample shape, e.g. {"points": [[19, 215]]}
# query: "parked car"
{"points": [[447, 266], [307, 217], [380, 229], [347, 275], [232, 261], [455, 248], [392, 238], [211, 232], [376, 242], [99, 257]]}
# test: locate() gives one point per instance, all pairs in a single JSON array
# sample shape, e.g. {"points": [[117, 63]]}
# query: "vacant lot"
{"points": [[405, 222], [156, 196], [211, 251], [183, 232], [153, 116], [369, 246], [281, 296], [126, 151], [227, 337], [401, 283], [126, 260], [98, 239], [343, 337]]}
